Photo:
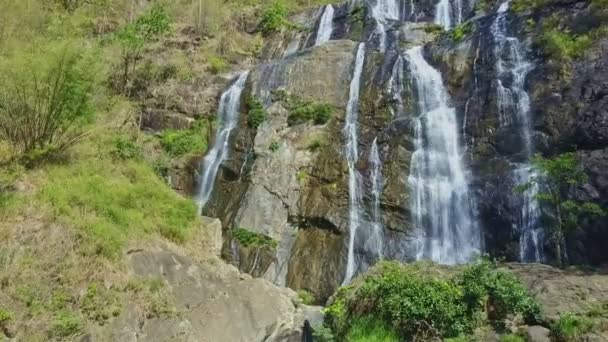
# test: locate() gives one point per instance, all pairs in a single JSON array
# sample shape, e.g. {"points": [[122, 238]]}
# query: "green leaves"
{"points": [[146, 28], [248, 238], [274, 18], [256, 114]]}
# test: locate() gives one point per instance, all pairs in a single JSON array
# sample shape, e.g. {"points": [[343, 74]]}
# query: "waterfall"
{"points": [[352, 155], [441, 205], [396, 86], [513, 101], [448, 13], [228, 115], [326, 25], [383, 11], [375, 242]]}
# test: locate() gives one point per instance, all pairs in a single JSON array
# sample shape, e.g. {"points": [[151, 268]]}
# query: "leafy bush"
{"points": [[459, 32], [181, 142], [570, 327], [126, 148], [274, 18], [323, 333], [318, 113], [420, 304], [217, 65], [45, 98], [133, 38], [433, 28], [274, 146], [5, 315], [256, 113], [66, 324], [306, 297], [520, 6], [248, 238], [564, 46]]}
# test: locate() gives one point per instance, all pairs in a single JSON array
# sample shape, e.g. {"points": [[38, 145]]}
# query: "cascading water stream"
{"points": [[396, 86], [375, 241], [352, 155], [326, 25], [228, 113], [449, 13], [383, 11], [441, 205], [513, 101]]}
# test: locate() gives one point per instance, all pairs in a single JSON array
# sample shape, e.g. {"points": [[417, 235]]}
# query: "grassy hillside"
{"points": [[80, 184]]}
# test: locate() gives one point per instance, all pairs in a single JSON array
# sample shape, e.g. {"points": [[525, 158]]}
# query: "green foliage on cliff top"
{"points": [[417, 302], [248, 238], [460, 32], [255, 113]]}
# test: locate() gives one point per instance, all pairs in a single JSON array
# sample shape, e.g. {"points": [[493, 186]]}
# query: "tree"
{"points": [[556, 177], [134, 37], [45, 96]]}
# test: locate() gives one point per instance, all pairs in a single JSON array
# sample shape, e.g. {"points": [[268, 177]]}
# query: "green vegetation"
{"points": [[112, 201], [318, 113], [416, 303], [565, 46], [178, 143], [460, 32], [274, 18], [557, 176], [357, 14], [570, 327], [66, 324], [100, 304], [370, 329], [315, 145], [256, 113], [126, 148], [306, 297], [433, 28], [248, 238], [274, 146], [218, 65], [45, 98], [134, 37], [520, 6]]}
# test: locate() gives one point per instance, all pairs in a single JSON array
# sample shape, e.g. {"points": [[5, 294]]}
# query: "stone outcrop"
{"points": [[213, 302]]}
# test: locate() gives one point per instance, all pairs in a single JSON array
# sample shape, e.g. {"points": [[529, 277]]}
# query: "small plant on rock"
{"points": [[256, 113]]}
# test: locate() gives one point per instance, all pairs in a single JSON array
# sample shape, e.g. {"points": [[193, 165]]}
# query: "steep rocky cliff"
{"points": [[299, 196]]}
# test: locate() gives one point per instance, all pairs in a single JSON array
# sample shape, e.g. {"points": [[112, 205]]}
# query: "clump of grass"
{"points": [[111, 202], [371, 329], [217, 65], [571, 326], [66, 324], [126, 148], [512, 338], [315, 145], [184, 142], [274, 146]]}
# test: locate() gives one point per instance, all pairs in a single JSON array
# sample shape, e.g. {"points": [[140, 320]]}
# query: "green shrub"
{"points": [[66, 324], [570, 327], [433, 29], [182, 142], [315, 145], [274, 146], [5, 315], [420, 304], [520, 6], [217, 65], [126, 148], [306, 297], [274, 18], [459, 32], [357, 14], [248, 238], [323, 333], [564, 46], [100, 304], [318, 113], [53, 87], [256, 113]]}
